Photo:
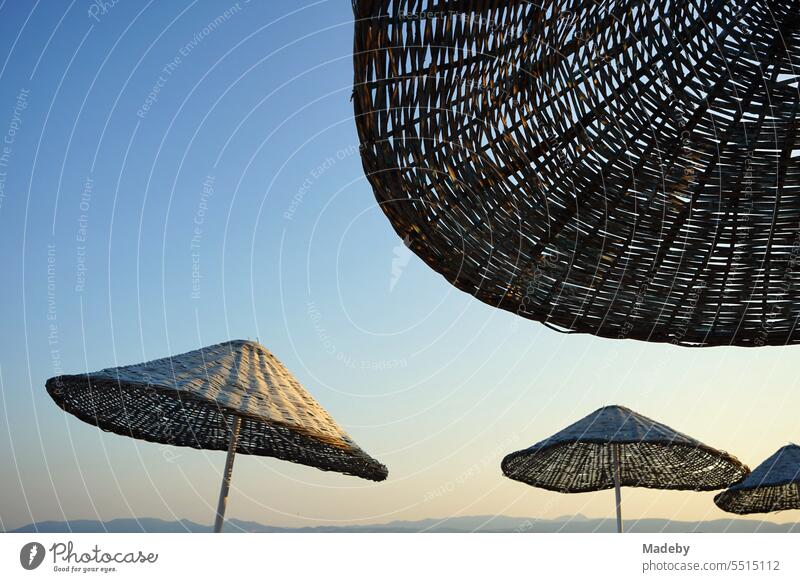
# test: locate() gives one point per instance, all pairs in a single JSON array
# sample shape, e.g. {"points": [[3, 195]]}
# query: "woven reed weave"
{"points": [[579, 458], [187, 400], [772, 486], [625, 168]]}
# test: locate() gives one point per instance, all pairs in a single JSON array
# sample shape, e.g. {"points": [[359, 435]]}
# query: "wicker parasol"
{"points": [[616, 447], [233, 396], [627, 169], [772, 486]]}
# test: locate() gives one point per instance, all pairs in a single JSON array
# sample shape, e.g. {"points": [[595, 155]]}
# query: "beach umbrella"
{"points": [[772, 486], [233, 396], [617, 447], [624, 169]]}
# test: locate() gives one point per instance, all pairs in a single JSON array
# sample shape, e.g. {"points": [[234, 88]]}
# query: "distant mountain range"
{"points": [[501, 523]]}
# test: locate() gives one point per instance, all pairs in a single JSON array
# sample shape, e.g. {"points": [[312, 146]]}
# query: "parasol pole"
{"points": [[226, 475], [617, 492]]}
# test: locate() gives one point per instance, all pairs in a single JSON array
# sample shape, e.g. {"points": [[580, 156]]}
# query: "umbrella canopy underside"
{"points": [[579, 458], [772, 486], [626, 169], [761, 500], [579, 467], [190, 400]]}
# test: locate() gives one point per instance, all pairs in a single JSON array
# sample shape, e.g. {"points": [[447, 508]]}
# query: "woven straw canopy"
{"points": [[627, 169], [772, 486], [579, 458], [189, 399]]}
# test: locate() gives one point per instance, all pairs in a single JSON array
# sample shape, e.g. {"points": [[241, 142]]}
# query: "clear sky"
{"points": [[168, 183]]}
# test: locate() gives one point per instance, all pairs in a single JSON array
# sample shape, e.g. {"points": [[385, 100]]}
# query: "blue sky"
{"points": [[170, 183]]}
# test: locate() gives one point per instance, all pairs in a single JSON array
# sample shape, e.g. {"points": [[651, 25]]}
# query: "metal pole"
{"points": [[615, 459], [226, 476]]}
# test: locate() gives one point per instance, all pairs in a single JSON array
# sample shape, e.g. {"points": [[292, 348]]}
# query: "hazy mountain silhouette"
{"points": [[500, 523]]}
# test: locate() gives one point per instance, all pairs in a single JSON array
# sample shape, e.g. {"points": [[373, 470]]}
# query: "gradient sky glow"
{"points": [[100, 201]]}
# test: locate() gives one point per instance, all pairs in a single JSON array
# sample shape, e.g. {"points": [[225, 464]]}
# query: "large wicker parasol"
{"points": [[233, 396], [627, 169], [616, 447], [772, 486]]}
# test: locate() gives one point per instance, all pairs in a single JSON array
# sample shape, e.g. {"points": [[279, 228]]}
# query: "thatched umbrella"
{"points": [[616, 447], [624, 169], [233, 396], [772, 486]]}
